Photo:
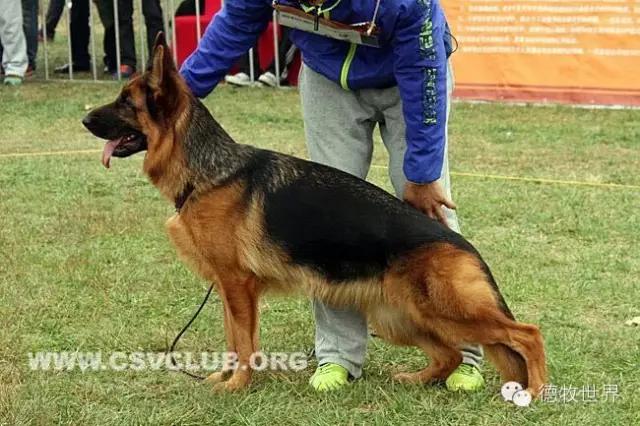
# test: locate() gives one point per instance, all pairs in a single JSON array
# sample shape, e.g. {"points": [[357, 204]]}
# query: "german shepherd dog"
{"points": [[253, 220]]}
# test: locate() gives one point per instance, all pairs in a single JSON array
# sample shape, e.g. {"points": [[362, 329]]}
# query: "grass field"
{"points": [[85, 265]]}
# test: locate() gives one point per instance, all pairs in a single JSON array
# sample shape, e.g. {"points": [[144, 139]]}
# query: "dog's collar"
{"points": [[183, 196]]}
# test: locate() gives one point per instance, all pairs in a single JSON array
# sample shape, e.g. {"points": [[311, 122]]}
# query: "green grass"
{"points": [[85, 264]]}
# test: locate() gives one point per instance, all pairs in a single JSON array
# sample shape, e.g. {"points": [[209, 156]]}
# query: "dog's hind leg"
{"points": [[516, 349], [519, 353], [394, 326], [444, 359], [449, 293]]}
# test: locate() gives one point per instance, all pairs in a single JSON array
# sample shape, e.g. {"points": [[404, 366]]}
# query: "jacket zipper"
{"points": [[344, 74]]}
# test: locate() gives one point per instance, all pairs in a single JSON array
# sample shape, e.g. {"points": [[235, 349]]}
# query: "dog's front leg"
{"points": [[228, 367], [240, 296]]}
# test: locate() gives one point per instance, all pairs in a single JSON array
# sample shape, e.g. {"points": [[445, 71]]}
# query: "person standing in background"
{"points": [[80, 33], [14, 55], [30, 28], [152, 12]]}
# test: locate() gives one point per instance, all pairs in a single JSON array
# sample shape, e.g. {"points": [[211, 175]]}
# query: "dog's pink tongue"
{"points": [[109, 147]]}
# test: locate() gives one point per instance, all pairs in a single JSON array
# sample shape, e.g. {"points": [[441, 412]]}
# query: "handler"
{"points": [[403, 86]]}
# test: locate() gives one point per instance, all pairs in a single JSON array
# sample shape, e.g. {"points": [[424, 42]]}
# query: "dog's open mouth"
{"points": [[123, 147]]}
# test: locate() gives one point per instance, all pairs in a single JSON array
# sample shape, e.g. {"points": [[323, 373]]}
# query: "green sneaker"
{"points": [[12, 80], [465, 378], [329, 377]]}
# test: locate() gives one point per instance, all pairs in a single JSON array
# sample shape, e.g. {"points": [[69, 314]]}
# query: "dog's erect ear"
{"points": [[161, 40], [161, 67], [162, 78]]}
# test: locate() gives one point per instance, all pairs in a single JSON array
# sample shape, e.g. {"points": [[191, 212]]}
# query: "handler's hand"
{"points": [[429, 199]]}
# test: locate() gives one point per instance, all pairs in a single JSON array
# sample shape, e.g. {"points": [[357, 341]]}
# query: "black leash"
{"points": [[184, 329]]}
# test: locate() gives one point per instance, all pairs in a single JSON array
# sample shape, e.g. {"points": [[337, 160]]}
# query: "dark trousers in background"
{"points": [[244, 63], [153, 20], [80, 34], [54, 12], [286, 53], [79, 30], [30, 24]]}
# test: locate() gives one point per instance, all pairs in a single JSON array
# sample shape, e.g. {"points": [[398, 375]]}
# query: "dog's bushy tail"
{"points": [[509, 363]]}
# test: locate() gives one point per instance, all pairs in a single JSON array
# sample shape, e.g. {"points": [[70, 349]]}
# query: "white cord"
{"points": [[373, 20]]}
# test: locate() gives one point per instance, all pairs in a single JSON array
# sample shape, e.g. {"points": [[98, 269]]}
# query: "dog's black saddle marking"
{"points": [[344, 227]]}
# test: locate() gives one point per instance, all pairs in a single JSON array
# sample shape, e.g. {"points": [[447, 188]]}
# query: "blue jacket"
{"points": [[415, 45]]}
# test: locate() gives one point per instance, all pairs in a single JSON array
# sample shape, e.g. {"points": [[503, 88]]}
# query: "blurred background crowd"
{"points": [[22, 29]]}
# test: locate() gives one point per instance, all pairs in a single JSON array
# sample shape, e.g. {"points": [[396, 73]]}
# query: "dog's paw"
{"points": [[535, 392], [410, 378], [230, 385], [217, 377], [419, 377]]}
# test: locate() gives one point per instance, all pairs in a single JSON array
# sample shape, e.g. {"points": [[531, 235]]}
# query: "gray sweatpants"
{"points": [[14, 56], [339, 127]]}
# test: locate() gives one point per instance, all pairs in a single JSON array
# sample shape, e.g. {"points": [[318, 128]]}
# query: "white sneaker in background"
{"points": [[240, 79], [268, 79]]}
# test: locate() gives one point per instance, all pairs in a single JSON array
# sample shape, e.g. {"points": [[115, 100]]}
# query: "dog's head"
{"points": [[145, 111]]}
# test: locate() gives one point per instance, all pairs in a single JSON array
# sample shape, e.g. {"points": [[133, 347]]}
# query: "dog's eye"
{"points": [[127, 102]]}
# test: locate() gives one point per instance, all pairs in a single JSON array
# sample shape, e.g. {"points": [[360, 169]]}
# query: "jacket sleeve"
{"points": [[233, 31], [420, 68]]}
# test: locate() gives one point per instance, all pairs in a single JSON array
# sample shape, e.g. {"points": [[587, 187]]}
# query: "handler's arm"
{"points": [[421, 73], [233, 32]]}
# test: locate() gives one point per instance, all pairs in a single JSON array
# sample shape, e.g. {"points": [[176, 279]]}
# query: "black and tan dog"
{"points": [[253, 220]]}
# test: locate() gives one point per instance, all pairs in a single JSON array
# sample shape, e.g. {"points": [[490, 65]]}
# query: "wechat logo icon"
{"points": [[513, 392]]}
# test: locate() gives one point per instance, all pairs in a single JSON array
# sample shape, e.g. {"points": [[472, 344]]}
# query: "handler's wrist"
{"points": [[421, 183]]}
